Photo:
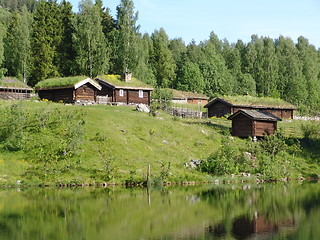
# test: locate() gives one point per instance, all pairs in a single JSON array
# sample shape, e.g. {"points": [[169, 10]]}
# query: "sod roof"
{"points": [[115, 81], [66, 82], [177, 94], [254, 102], [13, 83]]}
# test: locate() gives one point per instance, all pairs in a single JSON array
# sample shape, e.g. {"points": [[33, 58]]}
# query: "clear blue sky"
{"points": [[230, 19]]}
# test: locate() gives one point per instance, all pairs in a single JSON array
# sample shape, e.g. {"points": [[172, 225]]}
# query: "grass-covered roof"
{"points": [[116, 81], [11, 82], [256, 101], [184, 94], [60, 82]]}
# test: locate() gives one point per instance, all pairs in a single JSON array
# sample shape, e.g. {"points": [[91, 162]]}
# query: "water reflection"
{"points": [[271, 211]]}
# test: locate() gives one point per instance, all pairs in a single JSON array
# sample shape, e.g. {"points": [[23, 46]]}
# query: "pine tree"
{"points": [[18, 45], [46, 39], [162, 60], [92, 54], [66, 51]]}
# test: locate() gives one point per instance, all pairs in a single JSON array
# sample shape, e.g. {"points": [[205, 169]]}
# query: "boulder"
{"points": [[143, 108]]}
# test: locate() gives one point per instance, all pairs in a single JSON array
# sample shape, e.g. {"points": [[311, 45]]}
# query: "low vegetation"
{"points": [[50, 143]]}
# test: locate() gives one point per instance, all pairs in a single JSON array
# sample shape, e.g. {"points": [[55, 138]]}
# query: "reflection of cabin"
{"points": [[253, 123], [69, 89], [13, 89], [231, 104], [188, 97], [127, 92]]}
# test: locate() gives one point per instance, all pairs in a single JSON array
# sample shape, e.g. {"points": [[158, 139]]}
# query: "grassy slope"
{"points": [[127, 141]]}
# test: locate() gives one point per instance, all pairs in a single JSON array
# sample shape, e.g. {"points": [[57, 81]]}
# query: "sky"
{"points": [[228, 19]]}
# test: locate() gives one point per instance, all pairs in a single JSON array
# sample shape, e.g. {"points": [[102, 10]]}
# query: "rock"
{"points": [[164, 141], [122, 130], [143, 108]]}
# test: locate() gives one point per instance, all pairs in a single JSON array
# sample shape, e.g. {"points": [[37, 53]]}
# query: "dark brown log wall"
{"points": [[86, 93], [262, 128], [133, 97], [65, 95], [218, 109], [242, 126]]}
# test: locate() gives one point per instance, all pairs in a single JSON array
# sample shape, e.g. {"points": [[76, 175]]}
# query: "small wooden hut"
{"points": [[81, 90], [222, 106], [132, 91], [188, 97], [13, 89], [252, 123]]}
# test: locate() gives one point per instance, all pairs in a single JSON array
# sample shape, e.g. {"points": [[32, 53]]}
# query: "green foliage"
{"points": [[50, 137], [92, 53], [161, 98], [18, 45], [311, 130]]}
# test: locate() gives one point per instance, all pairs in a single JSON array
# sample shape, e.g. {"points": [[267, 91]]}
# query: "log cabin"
{"points": [[78, 89], [129, 91], [252, 123], [188, 97], [226, 105], [13, 89]]}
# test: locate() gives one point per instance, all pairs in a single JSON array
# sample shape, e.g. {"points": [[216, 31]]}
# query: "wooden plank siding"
{"points": [[56, 95], [197, 101], [262, 128]]}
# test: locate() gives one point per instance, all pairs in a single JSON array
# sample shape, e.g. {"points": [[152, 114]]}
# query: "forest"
{"points": [[40, 39]]}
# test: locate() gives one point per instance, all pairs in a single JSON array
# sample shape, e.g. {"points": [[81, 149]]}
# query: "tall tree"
{"points": [[126, 38], [162, 60], [18, 45], [92, 54], [46, 38], [66, 51]]}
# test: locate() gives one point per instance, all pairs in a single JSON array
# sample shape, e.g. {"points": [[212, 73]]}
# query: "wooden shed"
{"points": [[13, 89], [222, 106], [114, 90], [81, 90], [252, 123], [188, 97]]}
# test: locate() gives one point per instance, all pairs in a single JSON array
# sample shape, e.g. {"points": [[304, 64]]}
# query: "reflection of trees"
{"points": [[262, 209]]}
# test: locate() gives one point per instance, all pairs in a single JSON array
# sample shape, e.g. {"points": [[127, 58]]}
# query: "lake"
{"points": [[266, 211]]}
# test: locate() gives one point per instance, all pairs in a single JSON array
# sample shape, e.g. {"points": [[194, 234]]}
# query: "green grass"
{"points": [[257, 101], [116, 81], [121, 142], [60, 82]]}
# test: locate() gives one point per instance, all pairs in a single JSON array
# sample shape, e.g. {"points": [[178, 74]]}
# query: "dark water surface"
{"points": [[268, 211]]}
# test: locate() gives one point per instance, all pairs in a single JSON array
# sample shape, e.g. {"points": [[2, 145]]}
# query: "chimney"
{"points": [[127, 76]]}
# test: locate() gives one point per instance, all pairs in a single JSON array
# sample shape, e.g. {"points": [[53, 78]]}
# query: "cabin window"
{"points": [[140, 93], [121, 92], [200, 101]]}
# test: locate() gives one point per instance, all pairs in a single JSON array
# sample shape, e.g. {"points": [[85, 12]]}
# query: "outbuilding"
{"points": [[188, 97], [81, 90], [227, 105], [252, 123], [13, 89], [127, 91]]}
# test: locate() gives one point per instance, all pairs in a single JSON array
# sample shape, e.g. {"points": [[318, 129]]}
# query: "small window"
{"points": [[200, 101], [121, 92], [140, 93]]}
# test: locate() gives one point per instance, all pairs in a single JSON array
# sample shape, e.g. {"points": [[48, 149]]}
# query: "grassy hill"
{"points": [[54, 143]]}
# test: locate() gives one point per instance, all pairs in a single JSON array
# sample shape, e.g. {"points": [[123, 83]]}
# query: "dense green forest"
{"points": [[42, 39]]}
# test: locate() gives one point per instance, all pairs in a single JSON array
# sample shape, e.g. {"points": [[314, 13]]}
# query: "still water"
{"points": [[268, 211]]}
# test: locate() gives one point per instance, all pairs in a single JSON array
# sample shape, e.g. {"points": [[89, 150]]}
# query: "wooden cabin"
{"points": [[127, 92], [222, 106], [13, 89], [252, 123], [188, 97], [81, 90]]}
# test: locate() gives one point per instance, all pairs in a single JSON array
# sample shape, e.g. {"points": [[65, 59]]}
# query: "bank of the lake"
{"points": [[51, 143]]}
